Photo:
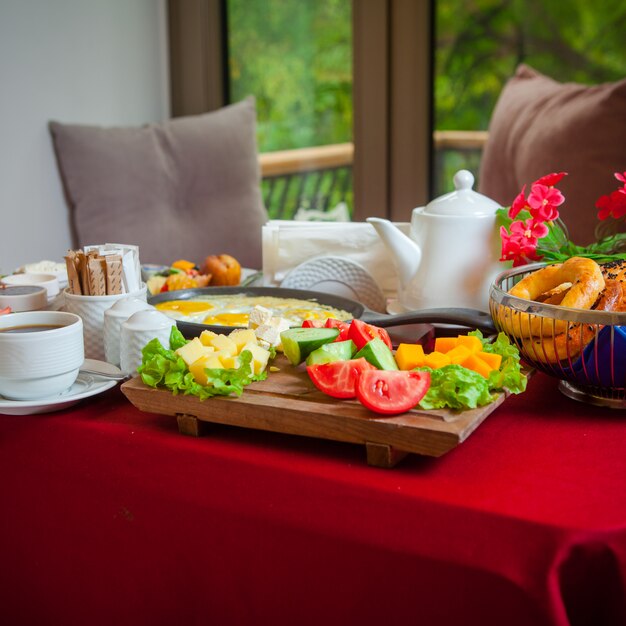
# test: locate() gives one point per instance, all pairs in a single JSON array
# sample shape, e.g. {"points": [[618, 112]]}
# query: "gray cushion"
{"points": [[541, 126], [185, 188]]}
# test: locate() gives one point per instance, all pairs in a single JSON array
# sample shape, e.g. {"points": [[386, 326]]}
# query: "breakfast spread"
{"points": [[343, 359]]}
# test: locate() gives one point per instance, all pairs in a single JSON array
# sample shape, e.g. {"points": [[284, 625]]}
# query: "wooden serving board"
{"points": [[288, 402]]}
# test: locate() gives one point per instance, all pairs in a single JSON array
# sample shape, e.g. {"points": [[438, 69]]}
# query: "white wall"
{"points": [[98, 62]]}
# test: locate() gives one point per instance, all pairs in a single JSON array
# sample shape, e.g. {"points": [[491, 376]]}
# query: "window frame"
{"points": [[392, 92]]}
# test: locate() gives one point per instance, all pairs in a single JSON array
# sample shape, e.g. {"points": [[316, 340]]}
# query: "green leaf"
{"points": [[455, 387]]}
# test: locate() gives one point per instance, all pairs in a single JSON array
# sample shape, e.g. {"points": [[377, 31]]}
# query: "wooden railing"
{"points": [[319, 178]]}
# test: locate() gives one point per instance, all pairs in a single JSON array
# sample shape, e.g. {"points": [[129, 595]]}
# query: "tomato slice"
{"points": [[338, 378], [344, 328], [313, 324], [391, 392], [361, 333]]}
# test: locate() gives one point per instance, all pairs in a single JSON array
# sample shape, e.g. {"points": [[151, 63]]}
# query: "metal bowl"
{"points": [[585, 349]]}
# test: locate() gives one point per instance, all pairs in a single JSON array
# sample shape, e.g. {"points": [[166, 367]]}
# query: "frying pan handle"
{"points": [[472, 318]]}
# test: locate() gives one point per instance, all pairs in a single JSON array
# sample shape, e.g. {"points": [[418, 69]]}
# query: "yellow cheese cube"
{"points": [[260, 357], [224, 343], [192, 351], [409, 356], [229, 361], [210, 361], [206, 336], [436, 360], [241, 337]]}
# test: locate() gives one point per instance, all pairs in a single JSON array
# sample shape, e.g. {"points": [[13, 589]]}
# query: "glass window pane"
{"points": [[479, 43], [295, 57]]}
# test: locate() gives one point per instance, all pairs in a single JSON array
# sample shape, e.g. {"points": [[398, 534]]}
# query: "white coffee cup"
{"points": [[42, 352]]}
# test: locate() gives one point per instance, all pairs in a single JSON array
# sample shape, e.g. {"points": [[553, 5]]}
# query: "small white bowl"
{"points": [[49, 281], [42, 352]]}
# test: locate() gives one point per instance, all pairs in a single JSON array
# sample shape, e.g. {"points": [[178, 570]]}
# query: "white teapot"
{"points": [[451, 256]]}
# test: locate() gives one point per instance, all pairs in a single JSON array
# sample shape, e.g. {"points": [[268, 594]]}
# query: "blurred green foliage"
{"points": [[479, 43], [295, 57]]}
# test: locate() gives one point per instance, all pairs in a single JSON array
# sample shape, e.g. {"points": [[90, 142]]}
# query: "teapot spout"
{"points": [[405, 252]]}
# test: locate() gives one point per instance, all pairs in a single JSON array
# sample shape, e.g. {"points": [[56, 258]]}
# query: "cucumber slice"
{"points": [[378, 354], [298, 343], [335, 351]]}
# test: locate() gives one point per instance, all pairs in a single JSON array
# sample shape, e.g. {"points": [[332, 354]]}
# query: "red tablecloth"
{"points": [[109, 516]]}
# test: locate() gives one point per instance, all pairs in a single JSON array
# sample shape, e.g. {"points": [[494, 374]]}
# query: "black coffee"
{"points": [[31, 328]]}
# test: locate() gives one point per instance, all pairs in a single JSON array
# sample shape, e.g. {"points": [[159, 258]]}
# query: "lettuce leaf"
{"points": [[456, 387], [163, 368], [509, 376]]}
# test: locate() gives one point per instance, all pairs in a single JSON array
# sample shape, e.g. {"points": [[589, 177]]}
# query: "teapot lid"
{"points": [[463, 201]]}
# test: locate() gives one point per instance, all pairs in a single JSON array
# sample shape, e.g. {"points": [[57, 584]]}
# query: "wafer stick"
{"points": [[73, 279], [114, 274], [96, 270]]}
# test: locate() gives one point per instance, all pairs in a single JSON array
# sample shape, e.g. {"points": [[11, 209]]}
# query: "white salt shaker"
{"points": [[113, 319], [138, 330]]}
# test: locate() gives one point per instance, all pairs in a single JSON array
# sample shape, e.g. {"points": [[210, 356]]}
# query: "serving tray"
{"points": [[288, 402]]}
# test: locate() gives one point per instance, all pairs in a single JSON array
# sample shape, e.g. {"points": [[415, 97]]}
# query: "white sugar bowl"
{"points": [[114, 317], [138, 330]]}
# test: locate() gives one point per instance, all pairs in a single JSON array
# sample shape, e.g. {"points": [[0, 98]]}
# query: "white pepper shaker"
{"points": [[138, 330], [113, 319]]}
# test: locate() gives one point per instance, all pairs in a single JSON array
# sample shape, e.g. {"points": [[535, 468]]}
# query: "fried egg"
{"points": [[234, 310]]}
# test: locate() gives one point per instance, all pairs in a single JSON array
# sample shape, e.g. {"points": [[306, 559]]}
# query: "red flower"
{"points": [[518, 204], [543, 202], [530, 229], [520, 246], [613, 205], [621, 177], [550, 179]]}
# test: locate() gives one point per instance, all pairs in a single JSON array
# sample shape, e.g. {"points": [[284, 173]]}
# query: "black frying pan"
{"points": [[470, 318]]}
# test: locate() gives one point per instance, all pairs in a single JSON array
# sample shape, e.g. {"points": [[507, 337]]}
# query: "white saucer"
{"points": [[84, 387], [339, 276]]}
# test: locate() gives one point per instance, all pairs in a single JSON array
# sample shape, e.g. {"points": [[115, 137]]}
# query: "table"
{"points": [[110, 516]]}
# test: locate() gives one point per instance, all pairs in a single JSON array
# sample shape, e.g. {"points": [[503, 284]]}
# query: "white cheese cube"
{"points": [[268, 333], [259, 316]]}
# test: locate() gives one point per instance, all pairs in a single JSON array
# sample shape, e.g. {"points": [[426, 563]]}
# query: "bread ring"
{"points": [[568, 345], [615, 270], [586, 279]]}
